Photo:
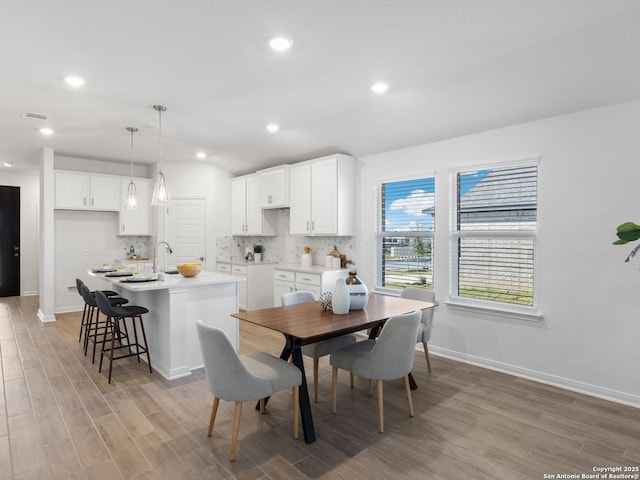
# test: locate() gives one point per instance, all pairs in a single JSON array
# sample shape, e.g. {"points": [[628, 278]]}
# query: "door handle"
{"points": [[201, 259]]}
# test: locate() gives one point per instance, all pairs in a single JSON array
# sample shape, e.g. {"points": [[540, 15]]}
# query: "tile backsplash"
{"points": [[141, 245], [283, 248]]}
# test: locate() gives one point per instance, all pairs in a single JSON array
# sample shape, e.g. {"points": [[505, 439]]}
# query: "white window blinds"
{"points": [[494, 234], [405, 244]]}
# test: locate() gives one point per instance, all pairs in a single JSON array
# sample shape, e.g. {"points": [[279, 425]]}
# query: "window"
{"points": [[493, 238], [405, 244]]}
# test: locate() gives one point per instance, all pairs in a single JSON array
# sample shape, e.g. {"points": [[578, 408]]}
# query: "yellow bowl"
{"points": [[189, 269]]}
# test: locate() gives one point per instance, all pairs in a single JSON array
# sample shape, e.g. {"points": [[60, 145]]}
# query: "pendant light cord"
{"points": [[132, 130]]}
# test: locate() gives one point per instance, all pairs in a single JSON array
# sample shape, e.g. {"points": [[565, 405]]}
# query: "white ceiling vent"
{"points": [[37, 116]]}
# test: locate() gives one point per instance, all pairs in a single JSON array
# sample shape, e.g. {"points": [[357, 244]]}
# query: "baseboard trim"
{"points": [[541, 377], [46, 318], [68, 309]]}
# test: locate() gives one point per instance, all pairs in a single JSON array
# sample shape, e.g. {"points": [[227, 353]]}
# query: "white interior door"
{"points": [[186, 231]]}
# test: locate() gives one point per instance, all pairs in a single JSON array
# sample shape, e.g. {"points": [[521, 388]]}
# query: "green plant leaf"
{"points": [[627, 232]]}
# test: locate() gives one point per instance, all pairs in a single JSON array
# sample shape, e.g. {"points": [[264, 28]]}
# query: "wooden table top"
{"points": [[309, 323]]}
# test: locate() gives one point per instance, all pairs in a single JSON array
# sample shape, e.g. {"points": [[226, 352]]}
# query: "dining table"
{"points": [[308, 323]]}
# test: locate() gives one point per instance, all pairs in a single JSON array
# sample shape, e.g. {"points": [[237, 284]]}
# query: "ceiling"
{"points": [[454, 67]]}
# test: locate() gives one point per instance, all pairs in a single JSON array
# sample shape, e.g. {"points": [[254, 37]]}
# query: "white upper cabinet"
{"points": [[138, 221], [274, 187], [322, 197], [300, 192], [247, 217], [82, 191]]}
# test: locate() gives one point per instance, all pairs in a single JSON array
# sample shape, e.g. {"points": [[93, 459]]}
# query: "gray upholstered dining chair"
{"points": [[239, 378], [426, 323], [318, 349], [388, 357]]}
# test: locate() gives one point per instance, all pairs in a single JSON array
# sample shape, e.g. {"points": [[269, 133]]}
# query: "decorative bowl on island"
{"points": [[189, 269]]}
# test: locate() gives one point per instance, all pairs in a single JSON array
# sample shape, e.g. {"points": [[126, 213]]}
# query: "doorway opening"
{"points": [[9, 241]]}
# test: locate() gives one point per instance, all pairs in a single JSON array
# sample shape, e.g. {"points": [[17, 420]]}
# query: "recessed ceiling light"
{"points": [[280, 44], [46, 131], [273, 127], [8, 164], [74, 81], [380, 87], [201, 155]]}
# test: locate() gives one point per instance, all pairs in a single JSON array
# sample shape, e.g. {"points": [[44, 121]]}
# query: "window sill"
{"points": [[528, 314]]}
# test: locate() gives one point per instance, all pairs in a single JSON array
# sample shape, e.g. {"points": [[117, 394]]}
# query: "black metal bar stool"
{"points": [[114, 314], [94, 326], [87, 308]]}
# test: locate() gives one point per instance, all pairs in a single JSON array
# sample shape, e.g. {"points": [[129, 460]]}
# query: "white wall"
{"points": [[208, 181], [588, 176], [83, 240], [29, 227]]}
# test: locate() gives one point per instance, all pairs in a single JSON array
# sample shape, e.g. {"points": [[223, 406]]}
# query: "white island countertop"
{"points": [[172, 281]]}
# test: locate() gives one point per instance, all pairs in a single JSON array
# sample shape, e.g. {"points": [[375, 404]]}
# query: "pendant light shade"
{"points": [[132, 191], [160, 191]]}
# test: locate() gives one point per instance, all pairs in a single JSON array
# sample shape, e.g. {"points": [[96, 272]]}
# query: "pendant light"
{"points": [[160, 192], [132, 191]]}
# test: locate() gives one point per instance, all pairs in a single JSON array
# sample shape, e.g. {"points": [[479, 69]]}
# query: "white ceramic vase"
{"points": [[257, 257], [341, 299]]}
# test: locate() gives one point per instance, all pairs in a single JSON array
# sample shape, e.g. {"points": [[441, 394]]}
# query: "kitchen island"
{"points": [[175, 304]]}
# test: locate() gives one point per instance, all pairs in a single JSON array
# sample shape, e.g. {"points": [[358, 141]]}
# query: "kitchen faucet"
{"points": [[155, 254]]}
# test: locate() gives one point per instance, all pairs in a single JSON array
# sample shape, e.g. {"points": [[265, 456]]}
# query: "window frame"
{"points": [[523, 312], [381, 233]]}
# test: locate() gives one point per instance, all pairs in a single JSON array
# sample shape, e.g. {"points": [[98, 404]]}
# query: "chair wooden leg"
{"points": [[236, 428], [261, 405], [380, 408], [407, 389], [212, 418], [370, 388], [351, 379], [296, 411], [426, 354], [315, 380], [334, 389]]}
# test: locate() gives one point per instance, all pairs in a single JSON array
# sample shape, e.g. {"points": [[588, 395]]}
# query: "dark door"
{"points": [[9, 241]]}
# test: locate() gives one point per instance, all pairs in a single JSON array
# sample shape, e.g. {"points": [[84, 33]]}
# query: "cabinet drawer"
{"points": [[308, 278], [224, 268], [239, 269], [284, 275]]}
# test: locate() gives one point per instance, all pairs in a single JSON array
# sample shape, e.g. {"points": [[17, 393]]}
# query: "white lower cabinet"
{"points": [[283, 282], [255, 292], [292, 278]]}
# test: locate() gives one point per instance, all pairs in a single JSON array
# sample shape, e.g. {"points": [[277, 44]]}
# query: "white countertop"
{"points": [[172, 281], [243, 262], [296, 267]]}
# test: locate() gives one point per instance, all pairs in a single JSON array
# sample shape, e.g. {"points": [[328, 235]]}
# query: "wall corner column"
{"points": [[46, 307]]}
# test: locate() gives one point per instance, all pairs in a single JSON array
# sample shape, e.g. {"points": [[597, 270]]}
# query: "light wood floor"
{"points": [[61, 420]]}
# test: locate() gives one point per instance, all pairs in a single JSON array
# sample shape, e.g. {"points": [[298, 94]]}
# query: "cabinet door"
{"points": [[324, 197], [254, 211], [274, 188], [138, 221], [72, 190], [238, 207], [300, 200], [105, 193], [280, 288]]}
